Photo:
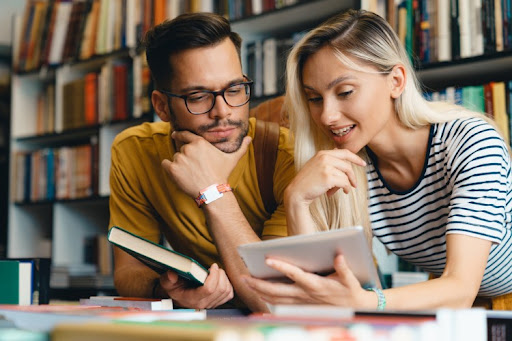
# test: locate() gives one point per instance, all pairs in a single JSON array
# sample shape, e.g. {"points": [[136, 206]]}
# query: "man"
{"points": [[204, 142]]}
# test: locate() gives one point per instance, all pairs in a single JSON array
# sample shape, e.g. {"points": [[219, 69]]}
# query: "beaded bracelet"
{"points": [[381, 299]]}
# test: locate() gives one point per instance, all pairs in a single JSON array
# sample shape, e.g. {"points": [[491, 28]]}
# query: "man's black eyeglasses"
{"points": [[202, 101]]}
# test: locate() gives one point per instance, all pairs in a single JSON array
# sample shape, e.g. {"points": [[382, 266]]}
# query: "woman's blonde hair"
{"points": [[367, 38]]}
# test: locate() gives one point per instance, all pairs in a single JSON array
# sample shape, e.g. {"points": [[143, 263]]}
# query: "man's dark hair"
{"points": [[187, 31]]}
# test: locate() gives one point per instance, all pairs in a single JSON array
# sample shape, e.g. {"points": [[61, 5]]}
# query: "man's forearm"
{"points": [[135, 281], [229, 228]]}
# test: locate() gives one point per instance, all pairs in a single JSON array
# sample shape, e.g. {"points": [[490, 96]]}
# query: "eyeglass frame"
{"points": [[215, 94]]}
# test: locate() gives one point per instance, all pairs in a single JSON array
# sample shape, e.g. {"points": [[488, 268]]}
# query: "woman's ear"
{"points": [[160, 103], [397, 79]]}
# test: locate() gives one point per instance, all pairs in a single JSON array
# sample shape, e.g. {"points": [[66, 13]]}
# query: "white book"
{"points": [[59, 32], [25, 283], [128, 302], [173, 9], [132, 19], [444, 41], [498, 24], [111, 25], [206, 5], [465, 28], [450, 94], [477, 44], [257, 6], [101, 34], [270, 66], [137, 86], [314, 253]]}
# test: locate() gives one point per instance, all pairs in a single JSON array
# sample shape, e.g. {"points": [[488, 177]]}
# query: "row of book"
{"points": [[266, 63], [494, 99], [445, 30], [52, 32], [57, 31], [118, 91], [101, 323], [56, 173]]}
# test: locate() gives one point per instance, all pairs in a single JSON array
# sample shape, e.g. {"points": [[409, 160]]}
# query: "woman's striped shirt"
{"points": [[465, 188]]}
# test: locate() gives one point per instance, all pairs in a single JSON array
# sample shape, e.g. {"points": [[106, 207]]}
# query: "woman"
{"points": [[431, 181]]}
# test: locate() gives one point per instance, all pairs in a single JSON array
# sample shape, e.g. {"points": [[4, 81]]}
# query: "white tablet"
{"points": [[314, 253]]}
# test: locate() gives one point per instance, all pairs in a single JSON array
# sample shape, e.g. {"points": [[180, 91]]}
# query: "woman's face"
{"points": [[351, 107]]}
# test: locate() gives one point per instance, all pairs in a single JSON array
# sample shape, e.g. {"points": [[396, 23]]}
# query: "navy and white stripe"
{"points": [[465, 188]]}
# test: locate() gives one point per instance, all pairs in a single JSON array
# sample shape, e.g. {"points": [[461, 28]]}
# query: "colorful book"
{"points": [[158, 257]]}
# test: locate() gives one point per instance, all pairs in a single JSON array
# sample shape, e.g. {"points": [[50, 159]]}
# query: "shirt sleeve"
{"points": [[480, 176], [128, 207]]}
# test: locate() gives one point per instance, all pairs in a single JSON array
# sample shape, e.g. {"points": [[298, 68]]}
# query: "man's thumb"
{"points": [[172, 277]]}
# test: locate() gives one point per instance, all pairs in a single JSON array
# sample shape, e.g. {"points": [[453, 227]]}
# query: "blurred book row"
{"points": [[53, 32], [442, 30], [118, 90], [56, 173], [494, 99]]}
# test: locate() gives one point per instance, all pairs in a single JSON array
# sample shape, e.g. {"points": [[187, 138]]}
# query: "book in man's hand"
{"points": [[158, 257]]}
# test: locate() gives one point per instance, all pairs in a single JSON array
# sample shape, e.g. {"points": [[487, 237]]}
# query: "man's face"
{"points": [[209, 68]]}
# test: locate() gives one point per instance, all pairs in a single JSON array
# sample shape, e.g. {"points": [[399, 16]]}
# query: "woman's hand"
{"points": [[340, 288], [326, 172]]}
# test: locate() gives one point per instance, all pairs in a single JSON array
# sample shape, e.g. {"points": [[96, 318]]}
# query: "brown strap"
{"points": [[266, 142]]}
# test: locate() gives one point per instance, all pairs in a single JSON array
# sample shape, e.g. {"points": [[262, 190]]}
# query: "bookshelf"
{"points": [[55, 226]]}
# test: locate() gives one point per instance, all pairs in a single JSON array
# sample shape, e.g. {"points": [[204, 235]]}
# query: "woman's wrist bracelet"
{"points": [[381, 299]]}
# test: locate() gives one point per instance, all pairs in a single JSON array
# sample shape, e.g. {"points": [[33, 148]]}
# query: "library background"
{"points": [[72, 76]]}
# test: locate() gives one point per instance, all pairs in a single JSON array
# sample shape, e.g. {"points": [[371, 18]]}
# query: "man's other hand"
{"points": [[217, 289]]}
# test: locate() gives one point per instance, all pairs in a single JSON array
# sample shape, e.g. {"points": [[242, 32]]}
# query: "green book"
{"points": [[16, 283], [473, 98], [158, 257]]}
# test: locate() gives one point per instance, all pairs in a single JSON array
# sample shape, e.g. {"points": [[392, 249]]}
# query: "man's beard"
{"points": [[220, 144]]}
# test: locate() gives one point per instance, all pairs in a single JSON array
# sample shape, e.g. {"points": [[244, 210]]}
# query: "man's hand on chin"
{"points": [[199, 164]]}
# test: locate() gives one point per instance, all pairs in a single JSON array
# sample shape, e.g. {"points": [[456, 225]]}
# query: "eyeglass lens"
{"points": [[202, 101]]}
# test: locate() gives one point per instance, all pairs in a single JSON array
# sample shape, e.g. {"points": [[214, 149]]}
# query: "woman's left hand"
{"points": [[340, 288]]}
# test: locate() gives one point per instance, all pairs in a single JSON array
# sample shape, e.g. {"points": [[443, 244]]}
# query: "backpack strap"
{"points": [[266, 142]]}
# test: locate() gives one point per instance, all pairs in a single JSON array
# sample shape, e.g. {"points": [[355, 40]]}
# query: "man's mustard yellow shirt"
{"points": [[145, 201]]}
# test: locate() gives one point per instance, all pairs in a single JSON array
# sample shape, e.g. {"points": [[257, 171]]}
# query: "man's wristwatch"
{"points": [[212, 193]]}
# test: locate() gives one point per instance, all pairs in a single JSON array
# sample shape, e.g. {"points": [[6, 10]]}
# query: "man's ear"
{"points": [[397, 78], [160, 102]]}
